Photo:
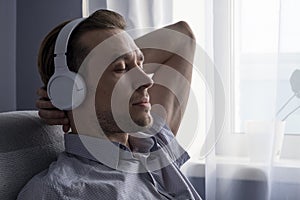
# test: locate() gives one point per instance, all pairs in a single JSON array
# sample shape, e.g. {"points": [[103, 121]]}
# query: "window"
{"points": [[266, 52]]}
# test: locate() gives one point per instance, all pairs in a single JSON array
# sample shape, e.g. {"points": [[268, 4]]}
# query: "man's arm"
{"points": [[174, 47]]}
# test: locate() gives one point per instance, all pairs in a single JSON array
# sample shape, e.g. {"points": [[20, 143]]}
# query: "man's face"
{"points": [[122, 91]]}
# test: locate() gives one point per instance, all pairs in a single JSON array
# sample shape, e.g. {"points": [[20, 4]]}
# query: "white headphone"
{"points": [[66, 89]]}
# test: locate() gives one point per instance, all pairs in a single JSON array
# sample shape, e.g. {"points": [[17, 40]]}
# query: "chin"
{"points": [[107, 122], [145, 121]]}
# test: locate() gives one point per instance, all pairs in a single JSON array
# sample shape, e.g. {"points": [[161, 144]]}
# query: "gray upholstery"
{"points": [[27, 146]]}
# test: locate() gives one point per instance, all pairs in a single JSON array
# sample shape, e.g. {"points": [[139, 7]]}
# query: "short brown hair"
{"points": [[101, 19]]}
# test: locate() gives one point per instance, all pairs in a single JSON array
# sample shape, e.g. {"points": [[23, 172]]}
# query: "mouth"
{"points": [[143, 102]]}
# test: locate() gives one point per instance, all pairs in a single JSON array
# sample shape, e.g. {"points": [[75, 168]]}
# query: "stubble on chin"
{"points": [[109, 125]]}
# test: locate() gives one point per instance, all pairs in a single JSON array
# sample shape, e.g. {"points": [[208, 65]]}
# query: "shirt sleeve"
{"points": [[165, 138]]}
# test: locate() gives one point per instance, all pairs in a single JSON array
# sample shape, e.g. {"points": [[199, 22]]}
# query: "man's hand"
{"points": [[49, 113]]}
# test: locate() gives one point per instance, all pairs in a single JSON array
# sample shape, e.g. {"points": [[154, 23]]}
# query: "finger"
{"points": [[66, 127], [63, 121], [51, 114], [44, 104], [42, 93]]}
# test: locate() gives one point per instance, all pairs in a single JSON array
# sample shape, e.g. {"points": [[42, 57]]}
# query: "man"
{"points": [[119, 159]]}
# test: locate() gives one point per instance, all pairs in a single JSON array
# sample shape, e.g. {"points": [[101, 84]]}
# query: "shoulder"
{"points": [[71, 176], [40, 188], [50, 183]]}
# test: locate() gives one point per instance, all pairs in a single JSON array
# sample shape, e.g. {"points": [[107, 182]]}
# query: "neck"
{"points": [[114, 137]]}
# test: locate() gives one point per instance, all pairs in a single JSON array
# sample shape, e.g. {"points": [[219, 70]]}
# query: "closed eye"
{"points": [[121, 68]]}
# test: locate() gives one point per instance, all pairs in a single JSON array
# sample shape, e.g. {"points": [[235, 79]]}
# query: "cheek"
{"points": [[102, 98], [103, 95]]}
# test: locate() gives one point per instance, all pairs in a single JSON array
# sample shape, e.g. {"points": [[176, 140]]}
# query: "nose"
{"points": [[143, 81]]}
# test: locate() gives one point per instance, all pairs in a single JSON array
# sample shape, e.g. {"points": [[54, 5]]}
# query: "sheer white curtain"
{"points": [[255, 49], [138, 14]]}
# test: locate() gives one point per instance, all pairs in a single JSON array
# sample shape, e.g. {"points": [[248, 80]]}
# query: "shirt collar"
{"points": [[109, 153], [104, 151], [96, 149]]}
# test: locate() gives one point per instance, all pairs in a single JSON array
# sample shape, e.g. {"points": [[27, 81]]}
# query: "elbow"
{"points": [[186, 29]]}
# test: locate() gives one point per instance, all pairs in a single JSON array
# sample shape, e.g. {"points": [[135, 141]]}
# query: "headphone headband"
{"points": [[61, 44]]}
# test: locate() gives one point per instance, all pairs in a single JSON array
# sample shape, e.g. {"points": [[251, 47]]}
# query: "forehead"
{"points": [[116, 41]]}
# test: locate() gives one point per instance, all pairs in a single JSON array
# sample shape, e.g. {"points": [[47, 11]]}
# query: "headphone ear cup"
{"points": [[66, 90]]}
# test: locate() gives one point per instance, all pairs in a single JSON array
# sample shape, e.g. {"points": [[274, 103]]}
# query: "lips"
{"points": [[144, 101]]}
